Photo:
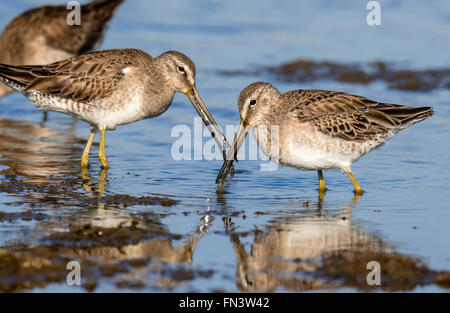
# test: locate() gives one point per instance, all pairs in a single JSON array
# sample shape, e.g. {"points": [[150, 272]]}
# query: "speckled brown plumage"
{"points": [[110, 88], [317, 129], [350, 117], [42, 35], [85, 78]]}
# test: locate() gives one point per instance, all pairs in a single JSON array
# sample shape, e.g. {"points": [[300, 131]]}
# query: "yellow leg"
{"points": [[322, 186], [101, 182], [320, 199], [101, 151], [87, 149], [358, 189]]}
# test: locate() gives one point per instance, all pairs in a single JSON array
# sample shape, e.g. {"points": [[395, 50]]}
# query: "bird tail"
{"points": [[107, 7], [405, 116], [15, 77]]}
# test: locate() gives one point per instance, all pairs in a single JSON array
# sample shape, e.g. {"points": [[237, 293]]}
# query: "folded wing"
{"points": [[83, 78], [351, 117]]}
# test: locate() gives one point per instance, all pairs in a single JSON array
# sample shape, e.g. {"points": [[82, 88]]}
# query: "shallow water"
{"points": [[269, 228]]}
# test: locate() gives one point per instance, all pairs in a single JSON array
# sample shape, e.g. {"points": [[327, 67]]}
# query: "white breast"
{"points": [[127, 111], [301, 146]]}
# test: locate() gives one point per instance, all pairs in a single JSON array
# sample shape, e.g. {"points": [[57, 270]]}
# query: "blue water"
{"points": [[406, 204]]}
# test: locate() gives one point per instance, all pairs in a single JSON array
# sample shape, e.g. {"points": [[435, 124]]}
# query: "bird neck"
{"points": [[161, 95]]}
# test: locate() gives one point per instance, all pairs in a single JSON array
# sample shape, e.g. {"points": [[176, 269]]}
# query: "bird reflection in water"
{"points": [[287, 253], [41, 167]]}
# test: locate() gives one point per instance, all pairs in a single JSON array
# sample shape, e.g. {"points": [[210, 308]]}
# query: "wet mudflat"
{"points": [[309, 70], [153, 223]]}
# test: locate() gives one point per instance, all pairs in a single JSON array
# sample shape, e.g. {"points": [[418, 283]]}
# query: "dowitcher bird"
{"points": [[110, 88], [43, 35], [317, 129]]}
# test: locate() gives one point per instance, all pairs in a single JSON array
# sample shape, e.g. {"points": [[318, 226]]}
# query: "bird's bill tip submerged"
{"points": [[244, 128], [207, 118]]}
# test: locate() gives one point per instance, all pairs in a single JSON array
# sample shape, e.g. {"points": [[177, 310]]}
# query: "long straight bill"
{"points": [[237, 143], [198, 104]]}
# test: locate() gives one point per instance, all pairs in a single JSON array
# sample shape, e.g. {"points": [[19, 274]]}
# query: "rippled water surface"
{"points": [[269, 230]]}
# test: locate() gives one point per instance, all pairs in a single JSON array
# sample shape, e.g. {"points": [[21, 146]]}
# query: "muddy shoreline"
{"points": [[305, 70], [102, 253]]}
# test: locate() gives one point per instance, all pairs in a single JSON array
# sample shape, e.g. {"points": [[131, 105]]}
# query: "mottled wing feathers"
{"points": [[83, 78], [350, 117]]}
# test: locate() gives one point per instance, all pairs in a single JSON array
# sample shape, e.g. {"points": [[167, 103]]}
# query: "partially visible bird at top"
{"points": [[43, 35]]}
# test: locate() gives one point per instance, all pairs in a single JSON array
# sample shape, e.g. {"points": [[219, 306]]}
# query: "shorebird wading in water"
{"points": [[43, 35], [110, 88], [317, 129]]}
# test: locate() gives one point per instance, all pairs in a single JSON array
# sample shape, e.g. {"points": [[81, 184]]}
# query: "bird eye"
{"points": [[181, 69], [252, 102]]}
